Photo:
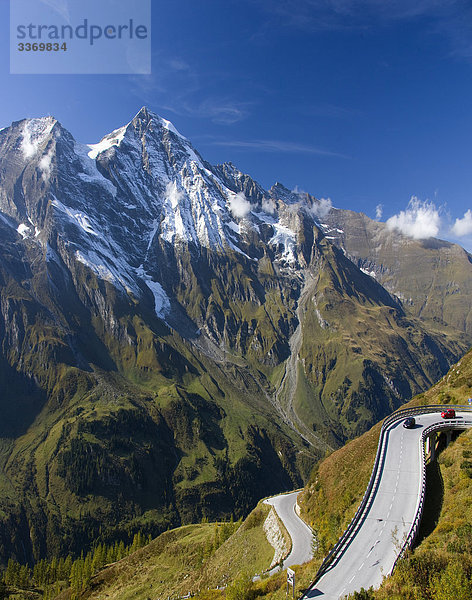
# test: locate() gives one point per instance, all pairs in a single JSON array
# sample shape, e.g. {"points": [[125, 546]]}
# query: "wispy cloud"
{"points": [[276, 146], [177, 87], [352, 14], [321, 207], [60, 7], [219, 110], [378, 212], [450, 18]]}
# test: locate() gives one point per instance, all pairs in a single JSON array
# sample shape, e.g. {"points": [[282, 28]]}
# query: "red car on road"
{"points": [[450, 413]]}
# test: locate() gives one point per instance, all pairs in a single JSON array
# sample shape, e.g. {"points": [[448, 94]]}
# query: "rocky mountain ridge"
{"points": [[176, 341]]}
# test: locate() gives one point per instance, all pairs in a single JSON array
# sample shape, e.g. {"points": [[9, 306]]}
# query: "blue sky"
{"points": [[367, 103]]}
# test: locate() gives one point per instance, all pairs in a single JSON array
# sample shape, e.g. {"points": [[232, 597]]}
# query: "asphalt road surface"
{"points": [[298, 530], [373, 551]]}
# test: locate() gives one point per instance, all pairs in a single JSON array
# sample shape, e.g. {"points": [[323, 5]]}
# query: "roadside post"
{"points": [[291, 581]]}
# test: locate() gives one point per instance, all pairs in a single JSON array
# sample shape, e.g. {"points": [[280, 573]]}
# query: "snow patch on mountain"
{"points": [[233, 226], [265, 217], [170, 127], [108, 267], [79, 218], [24, 230], [6, 221], [177, 221], [286, 238], [98, 265], [194, 209], [90, 172], [98, 251], [161, 300], [112, 139]]}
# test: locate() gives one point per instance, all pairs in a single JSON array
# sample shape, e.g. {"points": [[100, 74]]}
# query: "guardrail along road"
{"points": [[388, 517]]}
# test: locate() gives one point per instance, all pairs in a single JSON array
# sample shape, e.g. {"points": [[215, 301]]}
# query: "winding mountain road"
{"points": [[301, 534], [389, 514], [393, 508]]}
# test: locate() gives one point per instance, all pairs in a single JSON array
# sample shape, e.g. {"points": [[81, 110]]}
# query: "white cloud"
{"points": [[45, 164], [34, 133], [268, 206], [28, 146], [463, 226], [420, 220], [173, 194], [239, 205], [320, 208], [378, 212]]}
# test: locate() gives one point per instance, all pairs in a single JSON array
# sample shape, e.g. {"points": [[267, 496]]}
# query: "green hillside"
{"points": [[203, 558], [151, 379], [440, 566]]}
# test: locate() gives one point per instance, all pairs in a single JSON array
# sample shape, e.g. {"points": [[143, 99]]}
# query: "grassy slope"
{"points": [[185, 412], [362, 355], [337, 485], [182, 561], [176, 563]]}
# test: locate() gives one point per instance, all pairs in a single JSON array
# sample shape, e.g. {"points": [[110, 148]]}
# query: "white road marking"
{"points": [[328, 583]]}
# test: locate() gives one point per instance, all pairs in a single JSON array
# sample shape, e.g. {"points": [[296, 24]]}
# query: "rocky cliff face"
{"points": [[177, 342]]}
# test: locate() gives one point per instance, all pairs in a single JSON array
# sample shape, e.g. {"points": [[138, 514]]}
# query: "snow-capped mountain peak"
{"points": [[115, 204]]}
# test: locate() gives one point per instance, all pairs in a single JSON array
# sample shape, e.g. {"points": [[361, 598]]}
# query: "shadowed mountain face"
{"points": [[177, 342]]}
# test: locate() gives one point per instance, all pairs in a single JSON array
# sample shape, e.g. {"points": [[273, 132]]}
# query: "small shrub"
{"points": [[452, 583], [255, 519], [363, 594], [242, 588]]}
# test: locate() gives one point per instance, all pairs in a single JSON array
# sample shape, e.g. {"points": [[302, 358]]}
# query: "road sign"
{"points": [[291, 580], [470, 401]]}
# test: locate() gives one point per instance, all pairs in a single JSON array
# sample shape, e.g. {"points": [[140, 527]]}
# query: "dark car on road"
{"points": [[409, 423], [450, 413]]}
